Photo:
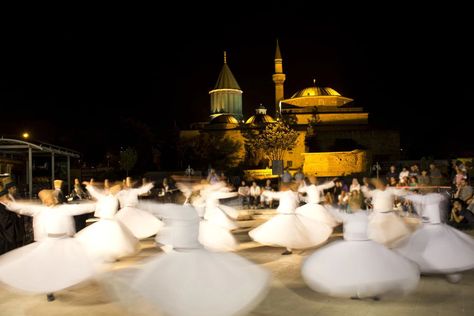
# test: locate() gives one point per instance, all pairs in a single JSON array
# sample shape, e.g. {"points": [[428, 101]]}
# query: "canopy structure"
{"points": [[23, 150]]}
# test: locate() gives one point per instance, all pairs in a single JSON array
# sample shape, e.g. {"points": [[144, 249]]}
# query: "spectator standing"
{"points": [[435, 175]]}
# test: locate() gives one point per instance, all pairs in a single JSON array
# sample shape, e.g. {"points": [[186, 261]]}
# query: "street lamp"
{"points": [[376, 168], [25, 135]]}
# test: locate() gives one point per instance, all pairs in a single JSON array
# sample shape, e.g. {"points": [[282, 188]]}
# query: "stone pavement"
{"points": [[288, 294]]}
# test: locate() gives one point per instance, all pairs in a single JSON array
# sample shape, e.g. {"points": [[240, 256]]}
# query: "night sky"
{"points": [[82, 82]]}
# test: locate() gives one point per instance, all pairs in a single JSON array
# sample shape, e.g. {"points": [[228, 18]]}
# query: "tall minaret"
{"points": [[279, 78]]}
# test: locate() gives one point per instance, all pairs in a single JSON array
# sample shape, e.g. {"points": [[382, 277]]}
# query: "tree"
{"points": [[128, 159], [273, 141], [205, 149]]}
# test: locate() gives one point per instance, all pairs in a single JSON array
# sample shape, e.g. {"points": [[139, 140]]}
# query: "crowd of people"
{"points": [[408, 177]]}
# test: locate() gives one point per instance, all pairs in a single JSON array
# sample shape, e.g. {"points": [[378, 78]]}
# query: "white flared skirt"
{"points": [[291, 231], [318, 213], [222, 216], [107, 240], [387, 228], [216, 238], [46, 266], [439, 249], [142, 224], [359, 269], [198, 283]]}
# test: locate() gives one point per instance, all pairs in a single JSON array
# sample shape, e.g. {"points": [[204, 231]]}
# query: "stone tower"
{"points": [[226, 97], [279, 78]]}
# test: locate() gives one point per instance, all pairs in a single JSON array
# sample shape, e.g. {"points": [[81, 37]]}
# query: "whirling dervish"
{"points": [[174, 234], [140, 223], [385, 226], [436, 247], [107, 239], [204, 188], [56, 261], [190, 280], [314, 195], [290, 229], [358, 267], [218, 221]]}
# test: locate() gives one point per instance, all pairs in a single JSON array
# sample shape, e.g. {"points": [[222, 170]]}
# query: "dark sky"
{"points": [[75, 80]]}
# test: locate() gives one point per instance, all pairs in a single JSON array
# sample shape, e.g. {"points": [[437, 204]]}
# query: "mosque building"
{"points": [[327, 122]]}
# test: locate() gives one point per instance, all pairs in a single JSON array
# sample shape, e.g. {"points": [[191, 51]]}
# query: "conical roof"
{"points": [[277, 52], [226, 79]]}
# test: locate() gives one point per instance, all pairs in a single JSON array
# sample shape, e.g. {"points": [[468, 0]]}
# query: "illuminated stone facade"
{"points": [[331, 164]]}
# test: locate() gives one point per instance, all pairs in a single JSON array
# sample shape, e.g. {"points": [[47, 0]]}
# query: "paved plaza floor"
{"points": [[288, 294]]}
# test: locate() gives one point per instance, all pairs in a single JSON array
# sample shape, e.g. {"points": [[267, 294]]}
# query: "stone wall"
{"points": [[331, 164]]}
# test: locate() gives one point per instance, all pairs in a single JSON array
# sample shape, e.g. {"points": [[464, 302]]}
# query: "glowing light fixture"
{"points": [[25, 135]]}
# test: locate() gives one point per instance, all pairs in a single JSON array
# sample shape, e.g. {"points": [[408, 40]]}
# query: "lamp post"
{"points": [[25, 135], [376, 167]]}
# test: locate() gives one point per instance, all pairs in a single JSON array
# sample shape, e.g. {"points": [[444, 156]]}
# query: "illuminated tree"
{"points": [[273, 141]]}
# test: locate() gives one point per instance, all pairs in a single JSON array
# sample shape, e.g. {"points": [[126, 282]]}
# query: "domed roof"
{"points": [[224, 119], [315, 91], [260, 119]]}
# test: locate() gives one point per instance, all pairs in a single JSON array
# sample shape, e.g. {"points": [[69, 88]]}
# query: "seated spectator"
{"points": [[404, 173], [414, 171], [436, 178], [403, 182], [461, 217], [424, 179], [355, 186], [286, 176], [460, 175], [413, 181], [340, 191], [366, 186], [255, 193], [392, 173], [244, 194], [464, 191], [267, 200], [299, 176], [166, 190], [77, 192], [393, 182]]}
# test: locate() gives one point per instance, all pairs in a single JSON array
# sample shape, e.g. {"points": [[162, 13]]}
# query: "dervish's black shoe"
{"points": [[50, 297]]}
